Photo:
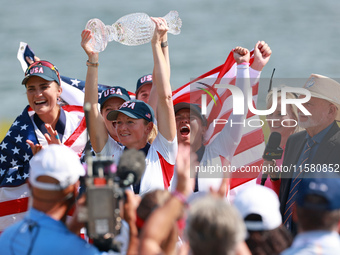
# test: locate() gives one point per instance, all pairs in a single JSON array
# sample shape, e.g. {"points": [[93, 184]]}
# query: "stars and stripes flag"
{"points": [[15, 154], [249, 152]]}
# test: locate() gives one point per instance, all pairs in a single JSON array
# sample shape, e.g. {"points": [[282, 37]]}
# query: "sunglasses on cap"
{"points": [[43, 63]]}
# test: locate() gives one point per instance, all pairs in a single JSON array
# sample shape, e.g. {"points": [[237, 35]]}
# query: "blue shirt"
{"points": [[39, 234], [318, 139], [315, 243]]}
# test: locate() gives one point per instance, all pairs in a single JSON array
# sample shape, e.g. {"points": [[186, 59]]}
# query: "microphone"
{"points": [[131, 167], [272, 151]]}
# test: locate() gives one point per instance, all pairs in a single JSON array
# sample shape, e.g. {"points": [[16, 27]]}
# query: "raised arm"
{"points": [[97, 129], [262, 53], [160, 225], [165, 112], [230, 136], [241, 56], [153, 99]]}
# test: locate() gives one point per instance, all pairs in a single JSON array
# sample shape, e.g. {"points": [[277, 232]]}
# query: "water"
{"points": [[302, 34]]}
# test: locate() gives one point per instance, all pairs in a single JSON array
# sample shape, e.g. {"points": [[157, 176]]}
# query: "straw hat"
{"points": [[325, 88]]}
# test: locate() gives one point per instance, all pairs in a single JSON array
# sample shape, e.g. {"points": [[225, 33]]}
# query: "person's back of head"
{"points": [[54, 174], [149, 203], [213, 227], [318, 203], [260, 208]]}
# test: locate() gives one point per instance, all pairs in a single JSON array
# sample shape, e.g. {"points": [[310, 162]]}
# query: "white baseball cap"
{"points": [[59, 162], [259, 200]]}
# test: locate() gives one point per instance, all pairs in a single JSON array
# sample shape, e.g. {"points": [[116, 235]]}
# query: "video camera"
{"points": [[105, 184]]}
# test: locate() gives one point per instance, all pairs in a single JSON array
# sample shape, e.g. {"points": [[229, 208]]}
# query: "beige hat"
{"points": [[325, 88]]}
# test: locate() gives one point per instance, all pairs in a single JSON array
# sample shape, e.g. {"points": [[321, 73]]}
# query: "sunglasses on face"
{"points": [[43, 63]]}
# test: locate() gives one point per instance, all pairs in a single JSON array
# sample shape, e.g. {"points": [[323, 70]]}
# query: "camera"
{"points": [[104, 187]]}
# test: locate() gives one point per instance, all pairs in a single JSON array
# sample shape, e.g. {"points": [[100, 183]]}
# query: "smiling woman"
{"points": [[42, 122], [42, 96], [134, 120]]}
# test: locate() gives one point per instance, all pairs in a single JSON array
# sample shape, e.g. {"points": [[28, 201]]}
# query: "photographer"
{"points": [[54, 182]]}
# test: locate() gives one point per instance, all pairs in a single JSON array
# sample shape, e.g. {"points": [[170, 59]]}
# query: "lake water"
{"points": [[304, 37]]}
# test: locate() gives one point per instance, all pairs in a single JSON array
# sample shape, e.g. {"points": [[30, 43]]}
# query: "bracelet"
{"points": [[244, 63], [88, 63], [180, 197], [164, 44]]}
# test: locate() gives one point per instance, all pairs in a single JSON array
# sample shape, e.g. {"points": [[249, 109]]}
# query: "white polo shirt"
{"points": [[160, 161]]}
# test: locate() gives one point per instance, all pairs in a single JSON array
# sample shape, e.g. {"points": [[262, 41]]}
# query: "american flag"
{"points": [[14, 157], [250, 150], [15, 154]]}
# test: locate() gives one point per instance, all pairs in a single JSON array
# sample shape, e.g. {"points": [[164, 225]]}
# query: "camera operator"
{"points": [[54, 182]]}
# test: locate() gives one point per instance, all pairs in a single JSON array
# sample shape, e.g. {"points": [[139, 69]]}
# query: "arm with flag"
{"points": [[219, 106]]}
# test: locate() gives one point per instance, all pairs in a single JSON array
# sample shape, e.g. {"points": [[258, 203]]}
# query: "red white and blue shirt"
{"points": [[160, 161]]}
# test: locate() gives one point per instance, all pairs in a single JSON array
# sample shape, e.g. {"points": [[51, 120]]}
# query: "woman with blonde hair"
{"points": [[285, 125], [134, 121]]}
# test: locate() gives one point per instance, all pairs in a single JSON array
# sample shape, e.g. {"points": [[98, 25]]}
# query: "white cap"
{"points": [[259, 200], [58, 162]]}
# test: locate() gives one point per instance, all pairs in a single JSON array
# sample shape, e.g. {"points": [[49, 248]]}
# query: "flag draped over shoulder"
{"points": [[15, 154], [248, 154]]}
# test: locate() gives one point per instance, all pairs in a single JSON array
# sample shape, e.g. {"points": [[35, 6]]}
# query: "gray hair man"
{"points": [[315, 148]]}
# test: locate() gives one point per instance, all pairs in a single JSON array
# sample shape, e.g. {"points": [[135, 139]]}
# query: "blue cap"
{"points": [[135, 109], [113, 92], [43, 69], [327, 188], [145, 79]]}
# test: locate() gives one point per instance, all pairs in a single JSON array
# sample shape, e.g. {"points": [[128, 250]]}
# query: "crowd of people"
{"points": [[172, 209]]}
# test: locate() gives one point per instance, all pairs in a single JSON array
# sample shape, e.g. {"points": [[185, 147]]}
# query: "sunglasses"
{"points": [[43, 63]]}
